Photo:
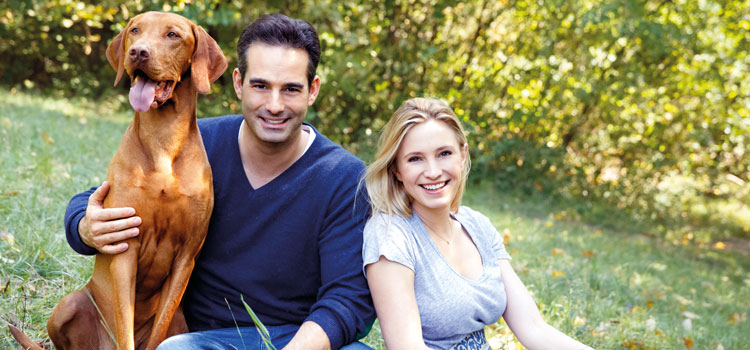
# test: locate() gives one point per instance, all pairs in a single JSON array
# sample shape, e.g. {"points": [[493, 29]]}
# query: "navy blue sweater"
{"points": [[292, 248]]}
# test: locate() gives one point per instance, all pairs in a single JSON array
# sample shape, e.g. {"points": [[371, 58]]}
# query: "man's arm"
{"points": [[91, 229], [310, 336], [344, 307]]}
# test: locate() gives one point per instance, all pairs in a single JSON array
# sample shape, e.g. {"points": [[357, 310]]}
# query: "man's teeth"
{"points": [[435, 186], [269, 121]]}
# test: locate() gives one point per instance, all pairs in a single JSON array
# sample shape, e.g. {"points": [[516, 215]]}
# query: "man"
{"points": [[285, 232]]}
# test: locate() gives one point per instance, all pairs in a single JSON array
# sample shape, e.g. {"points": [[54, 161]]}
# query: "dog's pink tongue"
{"points": [[142, 94]]}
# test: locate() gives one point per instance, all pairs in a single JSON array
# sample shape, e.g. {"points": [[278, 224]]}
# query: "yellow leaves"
{"points": [[8, 238], [737, 318], [688, 342], [558, 273], [46, 138]]}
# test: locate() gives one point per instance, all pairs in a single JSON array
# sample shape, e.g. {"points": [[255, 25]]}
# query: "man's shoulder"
{"points": [[214, 124], [333, 153]]}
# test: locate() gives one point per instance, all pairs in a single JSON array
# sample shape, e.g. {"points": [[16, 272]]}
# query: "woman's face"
{"points": [[430, 164]]}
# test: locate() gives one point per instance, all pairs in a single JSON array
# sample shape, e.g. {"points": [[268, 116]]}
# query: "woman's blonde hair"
{"points": [[387, 193]]}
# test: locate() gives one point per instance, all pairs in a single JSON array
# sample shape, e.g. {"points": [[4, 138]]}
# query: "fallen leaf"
{"points": [[650, 304], [688, 342], [587, 253], [558, 251], [737, 317], [690, 315], [46, 138]]}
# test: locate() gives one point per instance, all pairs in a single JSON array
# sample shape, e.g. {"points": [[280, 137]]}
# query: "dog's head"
{"points": [[156, 49]]}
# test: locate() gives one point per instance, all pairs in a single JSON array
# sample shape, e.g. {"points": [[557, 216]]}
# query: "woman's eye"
{"points": [[134, 30], [413, 159], [172, 34], [445, 153]]}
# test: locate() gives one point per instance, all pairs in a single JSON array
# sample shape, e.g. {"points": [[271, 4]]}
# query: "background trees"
{"points": [[641, 105]]}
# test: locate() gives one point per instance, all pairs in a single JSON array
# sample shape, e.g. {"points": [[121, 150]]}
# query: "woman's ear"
{"points": [[464, 151]]}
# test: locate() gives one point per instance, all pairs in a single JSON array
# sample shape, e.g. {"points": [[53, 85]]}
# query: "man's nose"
{"points": [[275, 104]]}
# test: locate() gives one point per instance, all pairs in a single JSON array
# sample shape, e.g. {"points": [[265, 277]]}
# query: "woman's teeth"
{"points": [[434, 186]]}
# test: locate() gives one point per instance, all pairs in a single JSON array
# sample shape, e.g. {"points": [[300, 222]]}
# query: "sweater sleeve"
{"points": [[344, 307], [73, 214]]}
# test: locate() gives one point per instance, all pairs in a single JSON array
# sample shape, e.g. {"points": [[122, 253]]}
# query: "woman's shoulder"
{"points": [[468, 214], [383, 222]]}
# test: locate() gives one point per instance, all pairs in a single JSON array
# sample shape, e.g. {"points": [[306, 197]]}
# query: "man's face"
{"points": [[275, 93]]}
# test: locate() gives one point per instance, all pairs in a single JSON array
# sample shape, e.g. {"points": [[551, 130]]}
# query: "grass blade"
{"points": [[259, 325]]}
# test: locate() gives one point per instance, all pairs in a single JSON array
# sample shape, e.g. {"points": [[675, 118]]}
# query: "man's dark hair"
{"points": [[279, 30]]}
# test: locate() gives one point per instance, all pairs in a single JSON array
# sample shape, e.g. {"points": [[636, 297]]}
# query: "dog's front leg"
{"points": [[123, 269], [171, 296]]}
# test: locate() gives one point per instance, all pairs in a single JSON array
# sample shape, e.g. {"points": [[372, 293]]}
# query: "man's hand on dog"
{"points": [[106, 229]]}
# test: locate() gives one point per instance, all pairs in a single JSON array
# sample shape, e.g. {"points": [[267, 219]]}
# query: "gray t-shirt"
{"points": [[450, 305]]}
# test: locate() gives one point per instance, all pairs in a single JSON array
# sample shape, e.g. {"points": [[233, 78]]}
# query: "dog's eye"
{"points": [[172, 35], [134, 30]]}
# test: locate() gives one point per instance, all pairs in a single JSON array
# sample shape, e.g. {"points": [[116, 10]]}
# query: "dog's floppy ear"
{"points": [[116, 52], [208, 62]]}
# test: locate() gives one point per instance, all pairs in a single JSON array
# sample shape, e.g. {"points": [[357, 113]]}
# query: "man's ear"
{"points": [[314, 90], [237, 82]]}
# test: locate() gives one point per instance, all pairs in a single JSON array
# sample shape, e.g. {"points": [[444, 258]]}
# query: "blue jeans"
{"points": [[244, 338]]}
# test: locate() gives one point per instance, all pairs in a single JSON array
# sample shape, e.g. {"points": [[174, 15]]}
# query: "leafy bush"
{"points": [[612, 100]]}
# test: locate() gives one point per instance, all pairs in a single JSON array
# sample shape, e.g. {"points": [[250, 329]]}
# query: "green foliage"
{"points": [[639, 104]]}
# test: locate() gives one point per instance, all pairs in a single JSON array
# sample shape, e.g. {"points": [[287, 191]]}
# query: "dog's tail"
{"points": [[24, 340]]}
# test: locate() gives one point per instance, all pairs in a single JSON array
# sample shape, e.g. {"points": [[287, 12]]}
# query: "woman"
{"points": [[438, 272]]}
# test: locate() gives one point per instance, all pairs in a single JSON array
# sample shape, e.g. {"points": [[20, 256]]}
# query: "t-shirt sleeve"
{"points": [[386, 236], [497, 242], [489, 232]]}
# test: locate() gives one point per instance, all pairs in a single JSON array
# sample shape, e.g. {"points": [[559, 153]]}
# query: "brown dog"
{"points": [[162, 171]]}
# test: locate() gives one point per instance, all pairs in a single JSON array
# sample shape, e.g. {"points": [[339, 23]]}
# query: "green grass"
{"points": [[603, 284]]}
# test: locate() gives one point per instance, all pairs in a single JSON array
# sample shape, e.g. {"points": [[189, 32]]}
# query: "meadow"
{"points": [[606, 284]]}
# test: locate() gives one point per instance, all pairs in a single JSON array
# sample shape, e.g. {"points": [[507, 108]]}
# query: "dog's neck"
{"points": [[163, 131]]}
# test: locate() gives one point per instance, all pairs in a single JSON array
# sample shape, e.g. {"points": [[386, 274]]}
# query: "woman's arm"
{"points": [[524, 319], [392, 288]]}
